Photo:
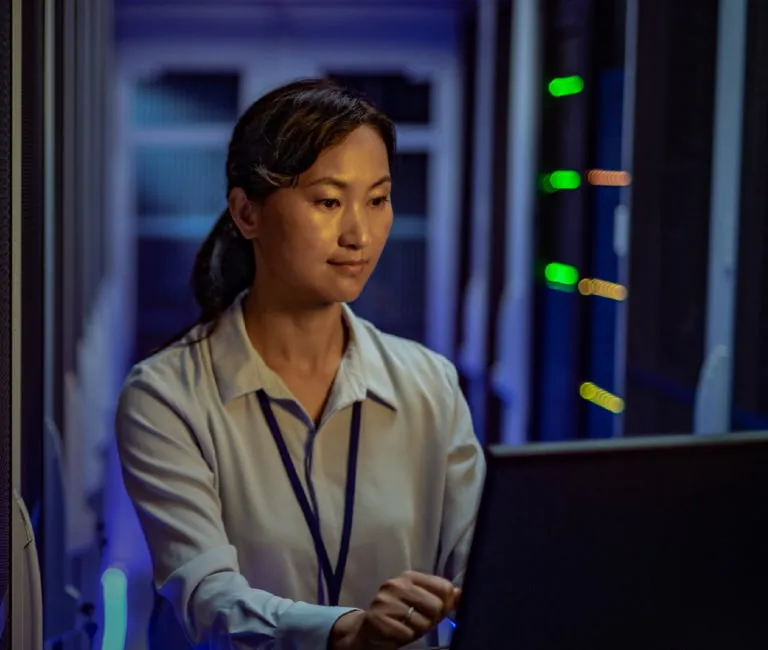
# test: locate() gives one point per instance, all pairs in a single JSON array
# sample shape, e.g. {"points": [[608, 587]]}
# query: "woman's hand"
{"points": [[405, 608]]}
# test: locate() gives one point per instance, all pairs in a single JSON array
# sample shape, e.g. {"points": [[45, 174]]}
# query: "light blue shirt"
{"points": [[230, 547]]}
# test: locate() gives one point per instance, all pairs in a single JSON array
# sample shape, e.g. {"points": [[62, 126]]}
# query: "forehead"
{"points": [[361, 154]]}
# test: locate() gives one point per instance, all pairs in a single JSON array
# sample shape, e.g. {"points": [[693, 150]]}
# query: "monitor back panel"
{"points": [[616, 545]]}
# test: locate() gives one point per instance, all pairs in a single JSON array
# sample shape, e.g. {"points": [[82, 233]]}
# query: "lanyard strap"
{"points": [[333, 579]]}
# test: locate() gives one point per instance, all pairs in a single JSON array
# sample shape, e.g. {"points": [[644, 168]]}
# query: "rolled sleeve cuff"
{"points": [[307, 627], [179, 587]]}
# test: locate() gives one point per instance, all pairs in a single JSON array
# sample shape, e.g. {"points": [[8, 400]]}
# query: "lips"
{"points": [[352, 268]]}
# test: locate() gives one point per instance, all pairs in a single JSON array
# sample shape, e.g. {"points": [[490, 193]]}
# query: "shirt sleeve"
{"points": [[173, 490], [463, 485]]}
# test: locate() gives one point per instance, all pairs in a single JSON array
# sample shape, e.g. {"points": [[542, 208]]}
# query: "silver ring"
{"points": [[408, 615]]}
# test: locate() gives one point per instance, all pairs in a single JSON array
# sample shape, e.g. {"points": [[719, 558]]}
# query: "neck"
{"points": [[307, 340]]}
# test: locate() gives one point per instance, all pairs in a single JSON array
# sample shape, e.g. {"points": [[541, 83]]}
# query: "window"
{"points": [[394, 297], [186, 98], [180, 180], [181, 124], [410, 184], [405, 100]]}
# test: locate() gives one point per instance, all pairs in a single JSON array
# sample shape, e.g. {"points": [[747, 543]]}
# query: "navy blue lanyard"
{"points": [[333, 579]]}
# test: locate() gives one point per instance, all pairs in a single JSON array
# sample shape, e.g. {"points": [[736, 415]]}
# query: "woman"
{"points": [[302, 479]]}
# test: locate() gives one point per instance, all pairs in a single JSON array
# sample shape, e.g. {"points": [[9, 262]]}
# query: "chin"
{"points": [[344, 292], [338, 287], [346, 296]]}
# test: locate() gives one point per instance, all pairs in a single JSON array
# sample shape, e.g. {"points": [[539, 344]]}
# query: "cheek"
{"points": [[302, 252], [381, 229], [306, 237]]}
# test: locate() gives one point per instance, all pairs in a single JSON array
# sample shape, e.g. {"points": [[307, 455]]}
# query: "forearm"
{"points": [[219, 608]]}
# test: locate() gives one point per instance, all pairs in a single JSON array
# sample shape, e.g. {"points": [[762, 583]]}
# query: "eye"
{"points": [[328, 204], [380, 201]]}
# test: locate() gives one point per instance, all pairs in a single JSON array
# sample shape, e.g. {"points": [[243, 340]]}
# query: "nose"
{"points": [[355, 230]]}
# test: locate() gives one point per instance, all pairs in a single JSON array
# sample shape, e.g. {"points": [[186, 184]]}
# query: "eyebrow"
{"points": [[342, 185]]}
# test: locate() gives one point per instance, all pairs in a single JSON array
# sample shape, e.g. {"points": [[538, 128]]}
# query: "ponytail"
{"points": [[224, 268]]}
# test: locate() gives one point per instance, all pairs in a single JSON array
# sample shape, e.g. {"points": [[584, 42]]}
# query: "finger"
{"points": [[426, 603], [456, 598], [403, 589], [436, 585], [418, 622], [390, 627], [391, 618]]}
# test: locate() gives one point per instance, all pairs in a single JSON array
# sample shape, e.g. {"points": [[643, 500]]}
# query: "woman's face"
{"points": [[321, 239]]}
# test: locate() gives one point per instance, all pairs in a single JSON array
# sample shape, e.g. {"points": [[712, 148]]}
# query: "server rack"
{"points": [[577, 295], [750, 362], [6, 473], [487, 78], [668, 227]]}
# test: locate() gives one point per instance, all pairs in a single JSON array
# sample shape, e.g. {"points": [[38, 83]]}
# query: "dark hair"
{"points": [[278, 138]]}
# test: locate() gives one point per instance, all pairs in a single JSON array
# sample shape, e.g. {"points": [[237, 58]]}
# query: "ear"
{"points": [[244, 213]]}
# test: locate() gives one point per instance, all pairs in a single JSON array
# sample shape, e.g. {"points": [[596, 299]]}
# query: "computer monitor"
{"points": [[652, 544]]}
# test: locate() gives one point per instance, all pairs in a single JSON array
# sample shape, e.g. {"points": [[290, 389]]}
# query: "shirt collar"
{"points": [[239, 369], [365, 353]]}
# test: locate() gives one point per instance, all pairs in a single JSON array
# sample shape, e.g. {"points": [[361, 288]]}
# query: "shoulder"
{"points": [[411, 367], [162, 412], [172, 375], [422, 385]]}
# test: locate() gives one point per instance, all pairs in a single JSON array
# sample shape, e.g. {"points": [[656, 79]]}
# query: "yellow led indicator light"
{"points": [[602, 288], [601, 397], [608, 178], [564, 86]]}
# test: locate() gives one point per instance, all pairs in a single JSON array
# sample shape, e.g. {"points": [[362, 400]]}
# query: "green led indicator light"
{"points": [[564, 86], [565, 180], [562, 179], [563, 275]]}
